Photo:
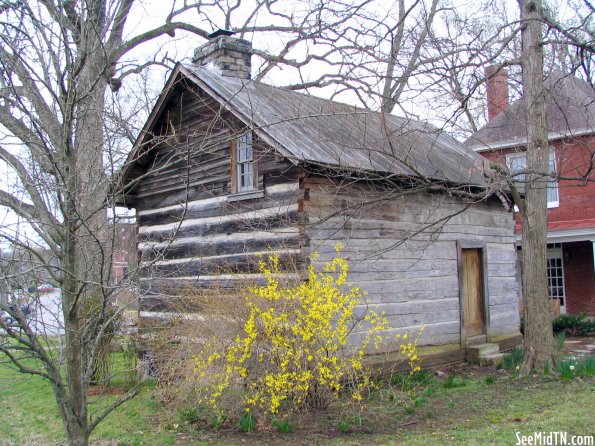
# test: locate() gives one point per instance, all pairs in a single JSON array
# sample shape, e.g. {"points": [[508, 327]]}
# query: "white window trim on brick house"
{"points": [[520, 159], [555, 275]]}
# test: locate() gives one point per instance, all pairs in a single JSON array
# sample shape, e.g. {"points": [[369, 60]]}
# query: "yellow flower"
{"points": [[295, 339]]}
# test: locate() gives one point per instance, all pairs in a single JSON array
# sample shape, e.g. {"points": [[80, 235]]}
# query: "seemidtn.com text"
{"points": [[553, 439]]}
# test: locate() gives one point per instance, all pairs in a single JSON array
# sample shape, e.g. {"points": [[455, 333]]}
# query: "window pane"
{"points": [[552, 185], [245, 147], [552, 192], [516, 164], [245, 162], [555, 276]]}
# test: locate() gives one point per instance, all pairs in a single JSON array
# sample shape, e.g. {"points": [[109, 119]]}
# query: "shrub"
{"points": [[130, 347], [513, 358], [101, 322], [217, 420], [190, 414], [247, 423], [294, 349], [566, 369], [572, 367], [283, 426], [586, 366], [574, 325], [346, 424], [560, 339]]}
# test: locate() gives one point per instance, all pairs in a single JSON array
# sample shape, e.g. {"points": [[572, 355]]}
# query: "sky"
{"points": [[148, 14]]}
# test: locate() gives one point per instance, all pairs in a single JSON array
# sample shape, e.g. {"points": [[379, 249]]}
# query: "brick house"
{"points": [[124, 252], [570, 108]]}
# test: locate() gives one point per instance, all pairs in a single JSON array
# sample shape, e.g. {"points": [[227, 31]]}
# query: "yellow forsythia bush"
{"points": [[294, 350]]}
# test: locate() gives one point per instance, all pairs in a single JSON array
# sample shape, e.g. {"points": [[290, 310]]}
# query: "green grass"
{"points": [[416, 410], [29, 415], [452, 382], [494, 413]]}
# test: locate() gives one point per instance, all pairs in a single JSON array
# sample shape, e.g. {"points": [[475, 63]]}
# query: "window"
{"points": [[243, 165], [518, 162], [555, 275]]}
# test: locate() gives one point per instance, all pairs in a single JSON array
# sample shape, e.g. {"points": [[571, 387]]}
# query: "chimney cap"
{"points": [[221, 32]]}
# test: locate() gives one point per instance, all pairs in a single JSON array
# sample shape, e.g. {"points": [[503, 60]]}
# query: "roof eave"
{"points": [[552, 136], [122, 176]]}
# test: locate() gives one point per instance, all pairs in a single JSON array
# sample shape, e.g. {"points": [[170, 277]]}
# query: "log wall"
{"points": [[403, 253], [403, 250], [191, 234]]}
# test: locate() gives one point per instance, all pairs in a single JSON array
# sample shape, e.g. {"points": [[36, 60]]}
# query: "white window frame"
{"points": [[245, 168], [556, 253], [552, 182]]}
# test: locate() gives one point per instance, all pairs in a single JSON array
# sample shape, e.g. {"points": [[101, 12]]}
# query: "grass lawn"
{"points": [[29, 416], [479, 406]]}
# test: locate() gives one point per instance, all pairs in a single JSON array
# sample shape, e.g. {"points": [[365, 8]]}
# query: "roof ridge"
{"points": [[194, 67]]}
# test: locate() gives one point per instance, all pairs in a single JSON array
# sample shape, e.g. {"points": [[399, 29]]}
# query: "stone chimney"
{"points": [[497, 90], [228, 55]]}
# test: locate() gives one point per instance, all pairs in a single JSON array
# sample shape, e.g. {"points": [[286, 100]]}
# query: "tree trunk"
{"points": [[74, 412], [539, 340], [84, 257]]}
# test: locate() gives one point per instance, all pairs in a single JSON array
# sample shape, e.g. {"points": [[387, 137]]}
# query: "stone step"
{"points": [[479, 350], [474, 340], [491, 359]]}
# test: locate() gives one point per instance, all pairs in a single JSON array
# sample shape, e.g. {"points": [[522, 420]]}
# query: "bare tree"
{"points": [[539, 339], [61, 130]]}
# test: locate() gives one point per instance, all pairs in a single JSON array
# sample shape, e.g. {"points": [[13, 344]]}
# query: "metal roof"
{"points": [[328, 133]]}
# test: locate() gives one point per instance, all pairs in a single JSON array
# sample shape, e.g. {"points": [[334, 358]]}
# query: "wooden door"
{"points": [[473, 318]]}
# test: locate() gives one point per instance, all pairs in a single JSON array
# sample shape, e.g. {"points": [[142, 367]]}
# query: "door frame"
{"points": [[481, 245]]}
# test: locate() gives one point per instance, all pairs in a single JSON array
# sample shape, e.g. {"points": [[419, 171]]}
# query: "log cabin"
{"points": [[227, 168]]}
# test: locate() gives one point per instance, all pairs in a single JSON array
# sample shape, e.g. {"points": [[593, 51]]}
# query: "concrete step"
{"points": [[479, 350], [491, 359], [474, 340]]}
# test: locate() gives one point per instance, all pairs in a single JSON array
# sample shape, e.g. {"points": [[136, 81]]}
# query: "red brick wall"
{"points": [[124, 249], [579, 281], [577, 198], [577, 202]]}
